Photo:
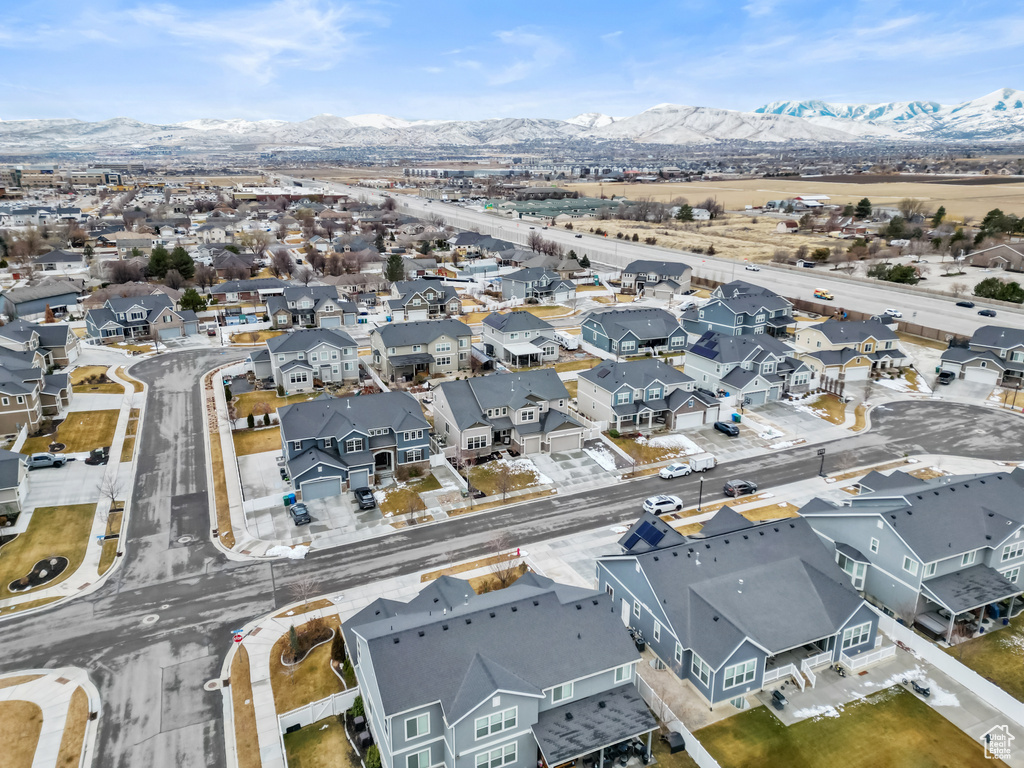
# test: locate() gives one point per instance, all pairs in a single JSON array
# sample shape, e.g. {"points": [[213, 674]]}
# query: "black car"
{"points": [[728, 428], [364, 497], [300, 514], [739, 488], [98, 456], [987, 312], [577, 235], [945, 377], [968, 304]]}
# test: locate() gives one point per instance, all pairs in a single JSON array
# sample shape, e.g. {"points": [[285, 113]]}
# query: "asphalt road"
{"points": [[154, 633], [873, 297]]}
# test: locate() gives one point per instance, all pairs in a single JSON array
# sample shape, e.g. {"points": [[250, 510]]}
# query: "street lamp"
{"points": [[700, 494]]}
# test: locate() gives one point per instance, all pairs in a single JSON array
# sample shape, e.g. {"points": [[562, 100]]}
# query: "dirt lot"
{"points": [[970, 199]]}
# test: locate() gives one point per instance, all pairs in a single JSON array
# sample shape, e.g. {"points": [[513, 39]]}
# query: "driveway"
{"points": [[74, 483], [260, 475], [571, 471]]}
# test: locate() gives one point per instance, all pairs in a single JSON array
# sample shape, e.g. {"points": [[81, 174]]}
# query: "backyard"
{"points": [[245, 402], [249, 441], [890, 729], [52, 531], [997, 656], [320, 745], [80, 432]]}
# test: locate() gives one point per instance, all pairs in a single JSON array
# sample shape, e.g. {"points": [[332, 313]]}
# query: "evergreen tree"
{"points": [[159, 262], [379, 243], [863, 209], [585, 261], [394, 268], [181, 261], [685, 213], [939, 216], [191, 299], [88, 251]]}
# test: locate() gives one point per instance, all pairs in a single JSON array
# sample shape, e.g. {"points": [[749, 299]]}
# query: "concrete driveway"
{"points": [[572, 470], [74, 483], [260, 475]]}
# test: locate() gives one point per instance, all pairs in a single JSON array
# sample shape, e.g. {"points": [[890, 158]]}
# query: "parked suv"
{"points": [[739, 488], [40, 460], [657, 505], [945, 377], [728, 428], [300, 514], [364, 497]]}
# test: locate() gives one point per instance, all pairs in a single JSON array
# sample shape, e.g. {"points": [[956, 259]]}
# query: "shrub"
{"points": [[372, 759], [227, 393], [338, 648], [613, 433], [266, 419], [357, 707], [636, 238], [280, 390], [251, 421], [711, 250]]}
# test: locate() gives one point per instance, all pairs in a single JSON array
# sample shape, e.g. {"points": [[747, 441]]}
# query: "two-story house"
{"points": [[538, 673], [755, 369], [643, 394], [629, 332], [257, 290], [739, 308], [310, 305], [335, 443], [13, 485], [935, 552], [519, 338], [55, 341], [140, 317], [304, 359], [734, 608], [536, 283], [27, 393], [994, 356], [527, 411], [402, 350], [423, 300], [656, 279], [842, 351]]}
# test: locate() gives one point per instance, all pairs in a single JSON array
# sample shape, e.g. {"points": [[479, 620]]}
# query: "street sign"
{"points": [[238, 638], [821, 451]]}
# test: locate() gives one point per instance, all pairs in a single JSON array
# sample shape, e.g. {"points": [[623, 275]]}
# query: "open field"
{"points": [[963, 199]]}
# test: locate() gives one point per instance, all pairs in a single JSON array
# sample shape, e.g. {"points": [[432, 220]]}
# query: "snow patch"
{"points": [[602, 457], [684, 445], [292, 553], [817, 712]]}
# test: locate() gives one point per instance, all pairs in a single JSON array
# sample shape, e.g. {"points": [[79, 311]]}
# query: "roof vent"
{"points": [[991, 514], [715, 619], [444, 627], [676, 554], [987, 537], [775, 529], [594, 602], [579, 607], [469, 621], [601, 705], [655, 558], [492, 614], [515, 608], [535, 603], [725, 540], [421, 633], [436, 599], [396, 641], [568, 715]]}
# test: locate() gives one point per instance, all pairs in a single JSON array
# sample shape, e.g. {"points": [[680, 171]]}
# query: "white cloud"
{"points": [[541, 53], [759, 8], [612, 38]]}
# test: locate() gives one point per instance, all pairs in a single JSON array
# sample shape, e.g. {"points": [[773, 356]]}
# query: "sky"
{"points": [[454, 60]]}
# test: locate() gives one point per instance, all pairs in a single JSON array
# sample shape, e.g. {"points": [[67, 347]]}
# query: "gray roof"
{"points": [[407, 289], [638, 374], [964, 355], [518, 320], [998, 337], [420, 331], [55, 256], [724, 348], [9, 462], [41, 291], [647, 533], [337, 417], [452, 646], [646, 323], [305, 338], [20, 331], [741, 288], [662, 268], [242, 286], [152, 302], [855, 332], [532, 275], [970, 588], [469, 399]]}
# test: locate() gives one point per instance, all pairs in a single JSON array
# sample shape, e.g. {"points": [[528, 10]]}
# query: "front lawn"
{"points": [[829, 408], [310, 680], [648, 450], [405, 498], [997, 656], [890, 729], [496, 478], [61, 531], [320, 745], [577, 365], [93, 379], [254, 337], [245, 402], [548, 311], [249, 441], [81, 431]]}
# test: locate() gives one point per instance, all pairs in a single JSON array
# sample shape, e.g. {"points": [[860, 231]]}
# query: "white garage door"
{"points": [[686, 420], [561, 443], [170, 333], [330, 322], [359, 478], [321, 489], [418, 314], [982, 375]]}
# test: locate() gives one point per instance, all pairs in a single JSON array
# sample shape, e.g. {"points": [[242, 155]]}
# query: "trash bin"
{"points": [[736, 418], [289, 499], [938, 369], [387, 318]]}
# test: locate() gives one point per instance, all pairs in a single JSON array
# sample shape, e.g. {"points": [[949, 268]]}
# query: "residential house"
{"points": [[31, 301], [60, 261], [740, 307], [932, 552], [542, 285], [633, 331], [755, 369], [519, 339], [423, 300], [350, 286], [656, 279], [538, 673], [1000, 256], [419, 266], [842, 351], [994, 357], [306, 359], [335, 443], [728, 610], [401, 351], [527, 411], [131, 242], [55, 341], [643, 394], [13, 485], [311, 305], [257, 290], [152, 317], [27, 392]]}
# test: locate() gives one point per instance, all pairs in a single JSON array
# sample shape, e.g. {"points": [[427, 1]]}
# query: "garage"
{"points": [[982, 374], [359, 478], [330, 321], [565, 442], [755, 398], [418, 314], [690, 419], [321, 489], [169, 333]]}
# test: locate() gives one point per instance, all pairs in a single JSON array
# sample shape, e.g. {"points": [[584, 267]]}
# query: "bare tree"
{"points": [[111, 488], [173, 279], [236, 272], [909, 207], [256, 242], [305, 275], [504, 568], [317, 261], [388, 204], [205, 276], [959, 289], [123, 272], [281, 263], [304, 588]]}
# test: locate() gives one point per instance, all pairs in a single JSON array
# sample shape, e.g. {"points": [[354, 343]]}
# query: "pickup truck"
{"points": [[40, 460], [820, 293]]}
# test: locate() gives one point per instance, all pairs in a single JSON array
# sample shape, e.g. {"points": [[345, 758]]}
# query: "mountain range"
{"points": [[998, 116]]}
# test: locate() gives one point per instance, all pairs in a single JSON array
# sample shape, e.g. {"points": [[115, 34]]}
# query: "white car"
{"points": [[892, 313], [657, 505], [675, 470], [752, 268]]}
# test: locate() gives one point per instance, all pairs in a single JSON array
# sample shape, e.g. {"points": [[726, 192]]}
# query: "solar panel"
{"points": [[632, 541], [649, 533]]}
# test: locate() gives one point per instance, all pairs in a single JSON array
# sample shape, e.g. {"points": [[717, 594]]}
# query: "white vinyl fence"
{"points": [[693, 747], [334, 704]]}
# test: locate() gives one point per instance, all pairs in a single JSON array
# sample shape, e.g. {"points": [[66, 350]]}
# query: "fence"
{"points": [[334, 704], [805, 667], [693, 747], [871, 657], [771, 675], [987, 691]]}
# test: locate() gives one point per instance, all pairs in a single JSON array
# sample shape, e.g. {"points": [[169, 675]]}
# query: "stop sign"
{"points": [[238, 638]]}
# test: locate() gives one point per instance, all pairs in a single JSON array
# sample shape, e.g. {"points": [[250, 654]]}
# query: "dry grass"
{"points": [[584, 364], [464, 567], [489, 582], [643, 453], [861, 472], [220, 489], [10, 682], [603, 299], [127, 449], [770, 512], [478, 507], [29, 605], [921, 341], [590, 288], [61, 531], [406, 499], [486, 478], [23, 722], [927, 473], [572, 387], [110, 547], [133, 347], [254, 337], [320, 745], [312, 605], [309, 680], [245, 402], [861, 418], [73, 740], [249, 441], [1006, 397], [79, 375], [913, 380], [247, 746], [549, 311], [136, 384], [474, 318], [830, 408], [81, 431]]}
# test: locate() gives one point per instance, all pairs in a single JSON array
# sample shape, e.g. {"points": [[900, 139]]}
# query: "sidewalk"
{"points": [[52, 692]]}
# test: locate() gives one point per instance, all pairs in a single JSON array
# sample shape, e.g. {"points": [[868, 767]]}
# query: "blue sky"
{"points": [[292, 59]]}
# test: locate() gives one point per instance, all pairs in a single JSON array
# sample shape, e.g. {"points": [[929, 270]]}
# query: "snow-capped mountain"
{"points": [[996, 116]]}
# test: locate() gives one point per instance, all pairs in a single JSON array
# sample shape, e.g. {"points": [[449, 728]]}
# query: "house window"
{"points": [[298, 377], [679, 653], [391, 350], [910, 565], [929, 570], [623, 673], [741, 673], [475, 443], [1012, 551], [622, 398], [348, 366], [627, 346], [463, 355], [443, 346], [857, 635], [699, 669], [6, 401], [1012, 575], [280, 358], [496, 723], [561, 693], [419, 759], [657, 631], [417, 726], [445, 360], [417, 347], [414, 454], [413, 435], [874, 545], [496, 758], [636, 608], [654, 394], [513, 336], [297, 445], [968, 558], [354, 445], [313, 357], [463, 342], [527, 415]]}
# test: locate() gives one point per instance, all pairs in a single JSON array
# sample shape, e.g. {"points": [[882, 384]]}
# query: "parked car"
{"points": [[739, 488], [364, 497], [300, 514], [657, 505], [752, 268], [987, 312], [676, 469], [40, 460], [98, 456], [945, 377], [728, 428], [892, 313], [577, 235], [968, 304]]}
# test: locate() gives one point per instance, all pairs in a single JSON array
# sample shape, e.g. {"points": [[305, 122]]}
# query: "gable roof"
{"points": [[644, 323], [469, 399], [337, 417], [609, 375], [305, 338], [725, 348], [998, 337], [854, 331], [517, 320], [662, 268], [420, 331]]}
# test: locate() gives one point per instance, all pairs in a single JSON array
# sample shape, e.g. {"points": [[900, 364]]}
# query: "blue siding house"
{"points": [[633, 331]]}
